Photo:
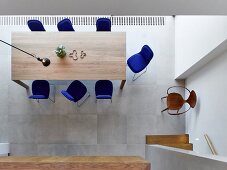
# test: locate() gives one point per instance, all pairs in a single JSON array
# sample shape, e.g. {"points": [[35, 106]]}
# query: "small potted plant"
{"points": [[60, 51]]}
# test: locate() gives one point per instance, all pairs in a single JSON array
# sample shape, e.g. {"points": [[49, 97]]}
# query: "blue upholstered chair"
{"points": [[40, 90], [104, 89], [139, 61], [35, 25], [65, 25], [75, 92], [103, 24]]}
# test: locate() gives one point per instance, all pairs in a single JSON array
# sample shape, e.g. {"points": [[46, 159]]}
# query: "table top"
{"points": [[105, 56]]}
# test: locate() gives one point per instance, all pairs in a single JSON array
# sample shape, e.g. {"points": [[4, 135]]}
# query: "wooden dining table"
{"points": [[105, 56]]}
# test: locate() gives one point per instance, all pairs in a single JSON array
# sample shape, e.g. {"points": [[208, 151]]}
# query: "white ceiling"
{"points": [[113, 7]]}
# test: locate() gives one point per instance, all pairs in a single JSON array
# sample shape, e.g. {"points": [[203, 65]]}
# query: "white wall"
{"points": [[165, 158], [210, 113], [195, 36], [113, 7]]}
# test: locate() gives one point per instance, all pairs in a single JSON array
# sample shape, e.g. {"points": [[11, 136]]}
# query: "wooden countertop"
{"points": [[74, 163]]}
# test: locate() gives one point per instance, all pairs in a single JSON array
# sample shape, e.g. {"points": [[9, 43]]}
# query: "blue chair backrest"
{"points": [[35, 25], [65, 25], [104, 87], [103, 24], [41, 87], [77, 90], [147, 53]]}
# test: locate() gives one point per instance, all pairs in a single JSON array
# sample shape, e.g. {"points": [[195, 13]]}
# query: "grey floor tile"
{"points": [[112, 129], [4, 130], [87, 107], [82, 150], [51, 129], [62, 106], [112, 150], [146, 78], [81, 129], [52, 149], [138, 127], [5, 66], [22, 149], [22, 128], [136, 150], [143, 101], [118, 106], [4, 107], [26, 107], [170, 124], [19, 104]]}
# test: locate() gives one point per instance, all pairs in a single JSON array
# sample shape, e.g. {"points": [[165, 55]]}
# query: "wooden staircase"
{"points": [[176, 141]]}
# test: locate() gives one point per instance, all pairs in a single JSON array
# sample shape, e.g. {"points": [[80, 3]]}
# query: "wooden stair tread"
{"points": [[170, 139]]}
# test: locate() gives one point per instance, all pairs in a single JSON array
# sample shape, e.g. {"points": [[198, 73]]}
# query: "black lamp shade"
{"points": [[46, 62]]}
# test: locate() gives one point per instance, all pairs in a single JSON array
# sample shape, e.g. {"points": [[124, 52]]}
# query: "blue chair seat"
{"points": [[67, 95], [75, 91], [38, 97], [137, 63], [103, 97], [104, 89], [40, 89]]}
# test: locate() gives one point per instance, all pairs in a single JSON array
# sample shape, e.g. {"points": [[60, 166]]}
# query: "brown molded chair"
{"points": [[175, 101]]}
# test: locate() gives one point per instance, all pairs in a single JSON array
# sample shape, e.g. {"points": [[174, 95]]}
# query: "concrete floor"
{"points": [[102, 128]]}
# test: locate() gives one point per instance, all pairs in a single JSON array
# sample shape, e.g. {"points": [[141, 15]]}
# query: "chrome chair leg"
{"points": [[96, 100], [133, 79], [83, 100], [161, 101], [53, 100], [163, 97], [164, 110]]}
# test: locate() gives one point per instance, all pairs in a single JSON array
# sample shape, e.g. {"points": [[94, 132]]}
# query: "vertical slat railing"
{"points": [[84, 20], [210, 144]]}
